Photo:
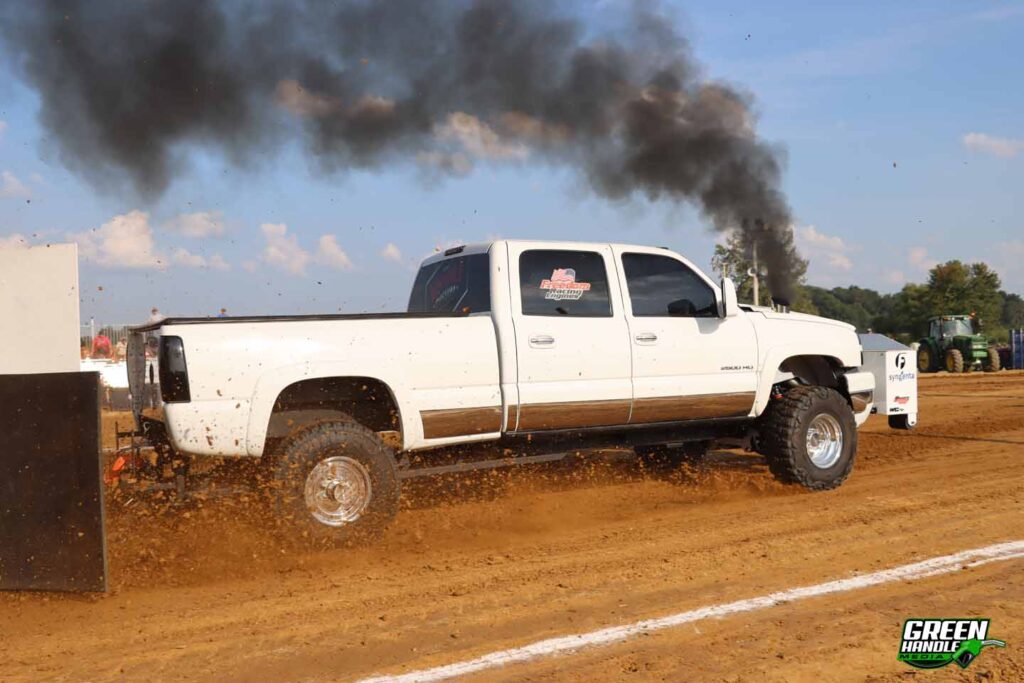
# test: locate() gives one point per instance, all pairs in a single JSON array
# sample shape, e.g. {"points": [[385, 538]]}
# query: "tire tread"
{"points": [[781, 431]]}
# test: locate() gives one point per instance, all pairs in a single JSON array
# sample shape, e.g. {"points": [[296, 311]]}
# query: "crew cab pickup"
{"points": [[541, 346]]}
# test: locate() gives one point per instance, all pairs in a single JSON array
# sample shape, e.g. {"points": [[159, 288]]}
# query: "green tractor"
{"points": [[953, 344]]}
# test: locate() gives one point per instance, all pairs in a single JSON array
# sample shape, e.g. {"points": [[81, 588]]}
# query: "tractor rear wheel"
{"points": [[954, 361], [993, 364], [926, 360]]}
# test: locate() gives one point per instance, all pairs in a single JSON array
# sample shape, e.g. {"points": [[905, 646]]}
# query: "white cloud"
{"points": [[330, 254], [895, 277], [249, 266], [821, 246], [217, 262], [812, 236], [199, 224], [479, 139], [391, 253], [11, 187], [918, 258], [13, 241], [840, 261], [989, 144], [1007, 260], [183, 257], [283, 250], [125, 241]]}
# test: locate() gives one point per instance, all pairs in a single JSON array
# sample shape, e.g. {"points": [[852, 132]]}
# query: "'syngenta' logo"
{"points": [[901, 361], [934, 643]]}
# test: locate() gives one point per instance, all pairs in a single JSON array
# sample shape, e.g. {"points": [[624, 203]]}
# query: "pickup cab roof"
{"points": [[484, 247]]}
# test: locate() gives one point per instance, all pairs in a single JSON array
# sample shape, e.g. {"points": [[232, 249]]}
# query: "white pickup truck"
{"points": [[541, 346]]}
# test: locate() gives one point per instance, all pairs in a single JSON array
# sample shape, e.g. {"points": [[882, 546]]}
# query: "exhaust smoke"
{"points": [[129, 88]]}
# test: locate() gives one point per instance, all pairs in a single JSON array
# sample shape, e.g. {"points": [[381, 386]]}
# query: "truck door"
{"points": [[572, 342], [688, 363]]}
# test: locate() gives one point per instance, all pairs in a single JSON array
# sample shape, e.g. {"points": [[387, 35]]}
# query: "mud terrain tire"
{"points": [[333, 483], [786, 433], [954, 361], [993, 364]]}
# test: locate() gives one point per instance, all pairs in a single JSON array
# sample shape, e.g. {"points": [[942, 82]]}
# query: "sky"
{"points": [[902, 124]]}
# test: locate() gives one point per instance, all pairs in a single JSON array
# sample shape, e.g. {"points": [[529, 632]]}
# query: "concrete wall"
{"points": [[39, 309]]}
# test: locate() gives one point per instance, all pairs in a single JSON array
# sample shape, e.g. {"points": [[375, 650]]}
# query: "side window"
{"points": [[662, 286], [453, 285], [564, 282]]}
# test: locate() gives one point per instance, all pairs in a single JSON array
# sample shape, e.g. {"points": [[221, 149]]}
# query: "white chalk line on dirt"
{"points": [[565, 644]]}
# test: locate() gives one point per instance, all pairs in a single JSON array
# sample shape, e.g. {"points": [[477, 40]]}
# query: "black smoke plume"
{"points": [[131, 87]]}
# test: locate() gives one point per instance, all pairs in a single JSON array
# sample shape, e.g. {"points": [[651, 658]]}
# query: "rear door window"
{"points": [[562, 282], [663, 286], [454, 285]]}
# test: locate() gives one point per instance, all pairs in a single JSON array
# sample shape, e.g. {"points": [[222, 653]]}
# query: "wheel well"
{"points": [[822, 371], [368, 401]]}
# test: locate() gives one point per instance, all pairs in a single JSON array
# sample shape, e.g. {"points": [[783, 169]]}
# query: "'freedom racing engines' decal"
{"points": [[563, 286]]}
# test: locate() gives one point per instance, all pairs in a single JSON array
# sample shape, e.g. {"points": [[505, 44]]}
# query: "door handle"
{"points": [[646, 337], [542, 340]]}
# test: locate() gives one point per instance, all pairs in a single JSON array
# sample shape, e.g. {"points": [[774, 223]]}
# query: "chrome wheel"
{"points": [[824, 441], [338, 491]]}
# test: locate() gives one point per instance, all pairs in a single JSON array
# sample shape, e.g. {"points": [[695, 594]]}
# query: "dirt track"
{"points": [[511, 558]]}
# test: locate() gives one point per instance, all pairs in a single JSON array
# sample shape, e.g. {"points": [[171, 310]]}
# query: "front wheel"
{"points": [[334, 483], [993, 363], [954, 361], [809, 437]]}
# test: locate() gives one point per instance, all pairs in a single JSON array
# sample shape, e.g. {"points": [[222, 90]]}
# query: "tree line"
{"points": [[952, 288]]}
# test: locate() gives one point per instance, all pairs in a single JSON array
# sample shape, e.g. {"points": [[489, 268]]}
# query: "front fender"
{"points": [[845, 355]]}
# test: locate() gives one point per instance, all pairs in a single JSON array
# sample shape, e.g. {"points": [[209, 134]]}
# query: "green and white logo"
{"points": [[934, 643]]}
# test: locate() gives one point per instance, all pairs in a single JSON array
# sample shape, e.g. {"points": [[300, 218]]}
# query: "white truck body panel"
{"points": [[675, 356], [428, 363], [566, 359], [537, 371]]}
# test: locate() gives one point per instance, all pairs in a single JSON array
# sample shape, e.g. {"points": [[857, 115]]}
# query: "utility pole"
{"points": [[753, 273]]}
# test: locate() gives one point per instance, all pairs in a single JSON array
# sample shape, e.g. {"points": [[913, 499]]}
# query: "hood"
{"points": [[799, 317]]}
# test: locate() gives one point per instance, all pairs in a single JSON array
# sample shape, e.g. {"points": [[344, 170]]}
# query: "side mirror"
{"points": [[730, 306]]}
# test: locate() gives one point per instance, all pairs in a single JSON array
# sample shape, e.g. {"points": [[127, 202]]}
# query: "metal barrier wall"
{"points": [[1017, 349], [51, 497]]}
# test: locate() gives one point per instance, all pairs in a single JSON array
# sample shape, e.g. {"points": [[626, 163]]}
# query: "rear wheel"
{"points": [[954, 361], [664, 459], [809, 437], [926, 359], [993, 363], [334, 483]]}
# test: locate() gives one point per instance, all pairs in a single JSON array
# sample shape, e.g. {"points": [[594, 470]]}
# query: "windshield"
{"points": [[954, 328]]}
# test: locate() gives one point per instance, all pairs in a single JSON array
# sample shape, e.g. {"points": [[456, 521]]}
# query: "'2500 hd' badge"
{"points": [[934, 643]]}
